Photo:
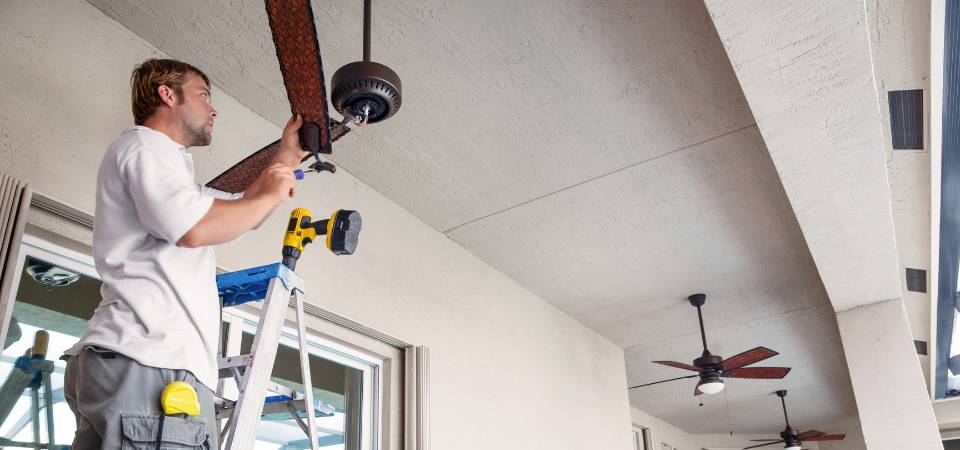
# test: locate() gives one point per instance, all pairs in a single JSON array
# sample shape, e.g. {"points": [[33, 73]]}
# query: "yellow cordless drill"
{"points": [[342, 230]]}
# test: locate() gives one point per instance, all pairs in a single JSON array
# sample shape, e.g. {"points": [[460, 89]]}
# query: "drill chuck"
{"points": [[290, 257]]}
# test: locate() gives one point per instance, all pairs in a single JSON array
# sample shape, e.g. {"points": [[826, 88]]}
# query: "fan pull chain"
{"points": [[727, 403]]}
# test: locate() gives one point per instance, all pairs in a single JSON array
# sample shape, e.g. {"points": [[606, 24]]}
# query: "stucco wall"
{"points": [[507, 370]]}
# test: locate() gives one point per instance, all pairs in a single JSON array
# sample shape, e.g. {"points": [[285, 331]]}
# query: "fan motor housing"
{"points": [[363, 84], [708, 362]]}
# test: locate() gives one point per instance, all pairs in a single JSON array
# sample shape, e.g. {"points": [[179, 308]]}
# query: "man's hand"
{"points": [[275, 183], [289, 152], [228, 219]]}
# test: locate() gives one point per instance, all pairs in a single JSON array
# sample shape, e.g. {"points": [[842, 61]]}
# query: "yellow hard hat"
{"points": [[179, 397]]}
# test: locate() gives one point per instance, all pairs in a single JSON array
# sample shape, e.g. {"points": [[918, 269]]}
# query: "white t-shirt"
{"points": [[160, 305]]}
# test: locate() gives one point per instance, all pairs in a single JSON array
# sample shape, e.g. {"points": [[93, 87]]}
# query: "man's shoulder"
{"points": [[136, 139]]}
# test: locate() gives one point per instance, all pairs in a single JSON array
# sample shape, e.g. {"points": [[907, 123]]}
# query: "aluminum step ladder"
{"points": [[276, 286]]}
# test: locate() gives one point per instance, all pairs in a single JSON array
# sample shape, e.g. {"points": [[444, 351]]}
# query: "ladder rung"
{"points": [[273, 410]]}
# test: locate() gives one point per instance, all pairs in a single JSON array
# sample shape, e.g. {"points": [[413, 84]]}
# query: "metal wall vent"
{"points": [[921, 347], [916, 280], [906, 119]]}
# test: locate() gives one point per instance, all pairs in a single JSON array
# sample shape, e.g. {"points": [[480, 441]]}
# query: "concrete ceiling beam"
{"points": [[807, 73]]}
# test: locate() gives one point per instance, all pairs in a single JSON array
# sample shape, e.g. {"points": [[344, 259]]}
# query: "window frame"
{"points": [[937, 49], [34, 246], [244, 320]]}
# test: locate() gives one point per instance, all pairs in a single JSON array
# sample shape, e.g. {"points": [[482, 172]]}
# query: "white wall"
{"points": [[507, 369], [895, 411], [663, 432], [900, 35]]}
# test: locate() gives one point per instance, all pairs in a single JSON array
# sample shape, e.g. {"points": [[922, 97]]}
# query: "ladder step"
{"points": [[250, 285], [275, 408]]}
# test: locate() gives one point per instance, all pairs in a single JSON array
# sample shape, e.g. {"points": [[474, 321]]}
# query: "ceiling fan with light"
{"points": [[793, 438], [711, 368]]}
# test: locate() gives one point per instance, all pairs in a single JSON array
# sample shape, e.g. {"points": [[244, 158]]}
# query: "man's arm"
{"points": [[228, 219]]}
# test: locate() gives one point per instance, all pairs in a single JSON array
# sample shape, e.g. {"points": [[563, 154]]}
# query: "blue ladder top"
{"points": [[250, 285]]}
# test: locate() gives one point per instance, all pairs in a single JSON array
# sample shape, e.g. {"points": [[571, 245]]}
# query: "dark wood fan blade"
{"points": [[295, 37], [679, 365], [748, 357], [766, 440], [763, 445], [237, 178], [808, 435], [763, 373], [663, 381], [827, 437]]}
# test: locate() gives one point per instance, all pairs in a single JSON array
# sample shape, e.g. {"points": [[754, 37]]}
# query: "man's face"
{"points": [[196, 111]]}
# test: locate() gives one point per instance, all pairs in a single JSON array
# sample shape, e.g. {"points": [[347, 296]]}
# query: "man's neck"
{"points": [[173, 130]]}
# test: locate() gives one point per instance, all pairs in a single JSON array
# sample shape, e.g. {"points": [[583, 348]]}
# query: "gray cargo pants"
{"points": [[117, 404]]}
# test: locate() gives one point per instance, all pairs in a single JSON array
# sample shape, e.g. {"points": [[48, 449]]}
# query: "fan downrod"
{"points": [[365, 90]]}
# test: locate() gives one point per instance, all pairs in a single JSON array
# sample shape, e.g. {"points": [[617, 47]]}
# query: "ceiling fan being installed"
{"points": [[363, 91], [794, 438], [711, 368]]}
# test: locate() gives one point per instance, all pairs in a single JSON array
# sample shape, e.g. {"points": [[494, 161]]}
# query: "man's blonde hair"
{"points": [[152, 74]]}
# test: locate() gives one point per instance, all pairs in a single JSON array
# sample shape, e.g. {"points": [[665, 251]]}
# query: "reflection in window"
{"points": [[60, 301], [335, 384]]}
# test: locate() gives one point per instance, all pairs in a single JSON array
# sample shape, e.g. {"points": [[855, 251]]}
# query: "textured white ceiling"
{"points": [[600, 153]]}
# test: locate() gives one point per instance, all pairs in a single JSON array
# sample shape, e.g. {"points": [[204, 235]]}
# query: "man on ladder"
{"points": [[154, 230]]}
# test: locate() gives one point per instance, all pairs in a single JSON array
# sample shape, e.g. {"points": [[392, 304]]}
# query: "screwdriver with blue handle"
{"points": [[319, 166]]}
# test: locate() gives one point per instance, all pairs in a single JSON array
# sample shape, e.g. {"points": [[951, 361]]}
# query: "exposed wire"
{"points": [[366, 116]]}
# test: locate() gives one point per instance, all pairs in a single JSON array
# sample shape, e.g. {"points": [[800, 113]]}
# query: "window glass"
{"points": [[338, 388], [58, 300]]}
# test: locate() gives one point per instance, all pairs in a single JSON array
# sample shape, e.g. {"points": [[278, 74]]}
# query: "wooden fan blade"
{"points": [[763, 445], [827, 437], [748, 357], [664, 381], [237, 178], [766, 440], [295, 37], [809, 435], [679, 365], [762, 373]]}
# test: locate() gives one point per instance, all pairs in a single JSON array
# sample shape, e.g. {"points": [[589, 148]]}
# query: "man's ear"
{"points": [[167, 95]]}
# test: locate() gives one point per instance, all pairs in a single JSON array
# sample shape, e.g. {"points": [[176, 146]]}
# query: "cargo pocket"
{"points": [[140, 432]]}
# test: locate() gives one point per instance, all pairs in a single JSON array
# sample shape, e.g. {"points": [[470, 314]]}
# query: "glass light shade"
{"points": [[711, 387]]}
